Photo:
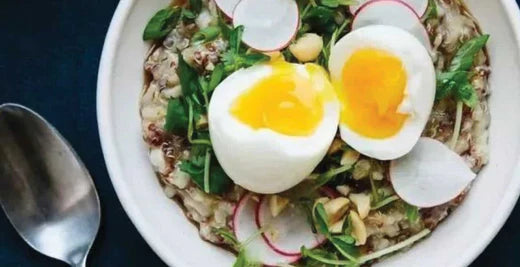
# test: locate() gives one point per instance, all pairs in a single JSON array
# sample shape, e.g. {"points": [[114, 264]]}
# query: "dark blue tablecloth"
{"points": [[49, 55]]}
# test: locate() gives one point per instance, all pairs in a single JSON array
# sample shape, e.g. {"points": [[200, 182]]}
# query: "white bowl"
{"points": [[457, 241]]}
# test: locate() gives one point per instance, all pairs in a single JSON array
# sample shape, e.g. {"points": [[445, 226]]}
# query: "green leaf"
{"points": [[188, 78], [321, 218], [412, 213], [176, 116], [465, 56], [320, 19], [187, 14], [347, 226], [345, 244], [219, 182], [228, 236], [195, 5], [467, 94], [207, 34], [447, 82], [326, 257], [431, 12], [216, 77], [253, 59], [235, 39], [162, 23], [243, 261], [224, 27], [336, 3]]}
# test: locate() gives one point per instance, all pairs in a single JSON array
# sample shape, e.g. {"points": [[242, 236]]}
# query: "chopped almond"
{"points": [[277, 204]]}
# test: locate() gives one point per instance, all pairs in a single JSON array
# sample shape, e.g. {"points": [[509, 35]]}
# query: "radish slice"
{"points": [[419, 6], [269, 25], [430, 175], [393, 13], [227, 6], [245, 228], [289, 231]]}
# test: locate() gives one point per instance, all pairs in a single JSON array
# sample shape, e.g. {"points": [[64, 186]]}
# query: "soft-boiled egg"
{"points": [[271, 124], [385, 82]]}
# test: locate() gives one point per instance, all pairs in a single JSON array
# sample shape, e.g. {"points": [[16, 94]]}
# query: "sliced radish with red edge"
{"points": [[227, 6], [289, 231], [392, 13], [269, 25], [245, 228], [430, 175], [419, 6]]}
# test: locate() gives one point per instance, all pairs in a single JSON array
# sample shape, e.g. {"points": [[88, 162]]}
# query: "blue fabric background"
{"points": [[49, 55]]}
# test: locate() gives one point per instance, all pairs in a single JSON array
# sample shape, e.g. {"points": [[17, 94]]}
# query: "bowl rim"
{"points": [[115, 171]]}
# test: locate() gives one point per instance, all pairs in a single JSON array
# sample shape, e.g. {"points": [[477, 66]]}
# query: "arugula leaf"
{"points": [[219, 182], [242, 261], [224, 27], [187, 14], [412, 213], [345, 244], [235, 38], [176, 116], [195, 5], [465, 56], [216, 77], [320, 19], [336, 3], [309, 186], [431, 12], [162, 23], [384, 202], [326, 257], [188, 78], [447, 82], [347, 226], [456, 81], [235, 58], [321, 218], [467, 94], [207, 34]]}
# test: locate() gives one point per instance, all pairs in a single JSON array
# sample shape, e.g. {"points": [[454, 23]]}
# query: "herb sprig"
{"points": [[237, 57], [456, 80]]}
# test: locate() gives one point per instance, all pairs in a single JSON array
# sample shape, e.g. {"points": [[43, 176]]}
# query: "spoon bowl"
{"points": [[45, 190]]}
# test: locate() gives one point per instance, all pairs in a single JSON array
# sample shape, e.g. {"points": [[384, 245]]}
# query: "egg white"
{"points": [[419, 92], [262, 160]]}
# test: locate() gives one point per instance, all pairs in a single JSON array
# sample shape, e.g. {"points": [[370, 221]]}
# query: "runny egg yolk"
{"points": [[373, 86], [284, 102]]}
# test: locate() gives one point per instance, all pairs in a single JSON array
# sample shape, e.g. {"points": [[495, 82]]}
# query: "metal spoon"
{"points": [[45, 190]]}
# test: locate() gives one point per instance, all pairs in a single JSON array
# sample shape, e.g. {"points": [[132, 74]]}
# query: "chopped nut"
{"points": [[343, 189], [307, 48], [336, 146], [277, 204], [359, 230], [361, 169], [336, 208], [169, 191], [362, 202], [377, 172], [157, 160], [337, 227], [178, 178], [349, 157]]}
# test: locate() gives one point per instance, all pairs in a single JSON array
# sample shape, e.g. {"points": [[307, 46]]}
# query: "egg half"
{"points": [[271, 124], [385, 82]]}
